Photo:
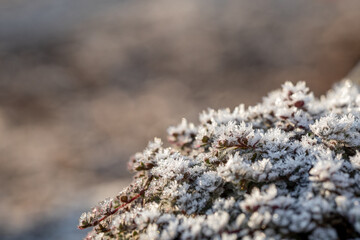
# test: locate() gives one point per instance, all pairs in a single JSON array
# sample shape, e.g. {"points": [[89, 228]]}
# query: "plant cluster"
{"points": [[286, 168]]}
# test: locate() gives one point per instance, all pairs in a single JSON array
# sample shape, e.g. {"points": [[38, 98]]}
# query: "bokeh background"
{"points": [[85, 84]]}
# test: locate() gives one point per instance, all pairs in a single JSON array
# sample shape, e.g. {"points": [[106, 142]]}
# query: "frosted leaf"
{"points": [[344, 129], [323, 233], [355, 161], [182, 135]]}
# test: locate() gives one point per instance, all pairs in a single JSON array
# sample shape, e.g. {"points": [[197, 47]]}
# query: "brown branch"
{"points": [[113, 211]]}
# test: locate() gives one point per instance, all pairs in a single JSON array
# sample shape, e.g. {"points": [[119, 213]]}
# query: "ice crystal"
{"points": [[287, 168]]}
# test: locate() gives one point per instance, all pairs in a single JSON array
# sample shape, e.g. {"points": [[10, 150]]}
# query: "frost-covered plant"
{"points": [[287, 168]]}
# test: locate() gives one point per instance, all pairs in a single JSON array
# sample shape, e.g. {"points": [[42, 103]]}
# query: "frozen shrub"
{"points": [[287, 168]]}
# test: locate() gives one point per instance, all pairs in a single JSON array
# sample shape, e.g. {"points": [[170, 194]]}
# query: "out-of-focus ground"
{"points": [[85, 84]]}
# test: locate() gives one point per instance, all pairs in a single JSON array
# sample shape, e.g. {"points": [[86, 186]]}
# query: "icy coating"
{"points": [[287, 168]]}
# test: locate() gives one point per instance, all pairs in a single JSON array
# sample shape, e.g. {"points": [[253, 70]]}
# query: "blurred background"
{"points": [[85, 84]]}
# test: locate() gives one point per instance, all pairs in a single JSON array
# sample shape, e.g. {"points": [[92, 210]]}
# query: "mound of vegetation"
{"points": [[287, 168]]}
